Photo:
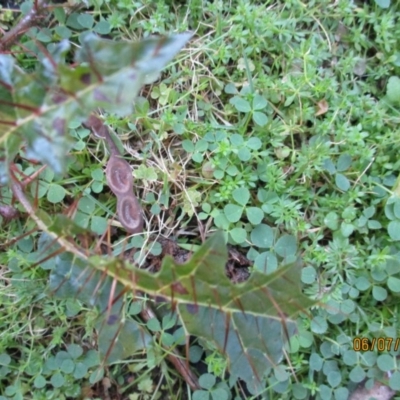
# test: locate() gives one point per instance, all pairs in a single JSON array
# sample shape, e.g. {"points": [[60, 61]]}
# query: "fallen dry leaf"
{"points": [[322, 108]]}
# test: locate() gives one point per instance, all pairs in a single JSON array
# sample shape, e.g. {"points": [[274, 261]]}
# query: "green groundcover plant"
{"points": [[276, 126]]}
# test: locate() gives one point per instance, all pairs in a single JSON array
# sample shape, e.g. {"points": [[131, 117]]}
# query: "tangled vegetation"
{"points": [[204, 214]]}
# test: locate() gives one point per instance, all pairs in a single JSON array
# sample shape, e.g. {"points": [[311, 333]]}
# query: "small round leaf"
{"points": [[255, 215], [394, 381], [262, 236], [319, 325], [39, 382], [357, 374], [379, 293], [5, 359], [57, 380], [362, 283], [316, 362], [201, 395], [96, 375], [341, 393], [342, 182], [86, 20], [74, 350], [102, 27], [286, 246], [394, 230], [393, 284], [299, 391], [207, 381], [240, 104], [266, 262], [385, 362], [350, 357], [154, 325], [98, 224], [67, 366], [343, 162], [80, 370], [241, 195], [254, 143], [334, 378], [346, 229], [260, 118], [56, 193], [244, 154], [308, 275], [233, 212], [331, 220], [259, 102], [238, 235]]}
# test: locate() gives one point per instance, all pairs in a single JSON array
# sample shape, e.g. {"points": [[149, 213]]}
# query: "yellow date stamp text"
{"points": [[379, 344]]}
